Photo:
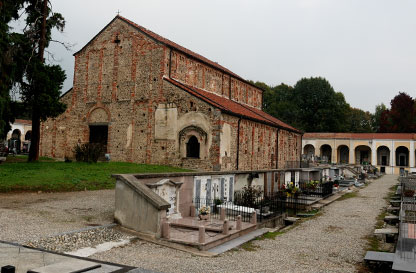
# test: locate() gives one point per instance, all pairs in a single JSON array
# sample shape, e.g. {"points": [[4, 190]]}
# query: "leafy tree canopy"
{"points": [[312, 105], [401, 117], [10, 67]]}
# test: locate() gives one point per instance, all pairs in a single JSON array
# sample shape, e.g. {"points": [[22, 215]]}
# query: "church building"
{"points": [[149, 100]]}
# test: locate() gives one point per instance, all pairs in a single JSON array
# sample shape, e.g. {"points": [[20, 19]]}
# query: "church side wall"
{"points": [[290, 147], [197, 74], [257, 146]]}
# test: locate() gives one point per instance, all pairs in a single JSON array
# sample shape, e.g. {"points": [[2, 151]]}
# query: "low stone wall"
{"points": [[141, 209], [137, 207]]}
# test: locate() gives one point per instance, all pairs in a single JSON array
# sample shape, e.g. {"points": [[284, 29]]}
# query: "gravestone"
{"points": [[169, 191]]}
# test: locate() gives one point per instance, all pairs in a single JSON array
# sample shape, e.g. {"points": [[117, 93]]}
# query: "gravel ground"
{"points": [[32, 216], [332, 242], [74, 241]]}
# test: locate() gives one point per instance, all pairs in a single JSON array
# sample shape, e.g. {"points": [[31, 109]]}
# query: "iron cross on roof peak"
{"points": [[118, 12]]}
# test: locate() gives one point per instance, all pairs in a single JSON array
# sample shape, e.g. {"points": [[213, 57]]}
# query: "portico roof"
{"points": [[392, 136]]}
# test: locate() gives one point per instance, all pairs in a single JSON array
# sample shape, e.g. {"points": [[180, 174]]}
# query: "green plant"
{"points": [[249, 195], [312, 185], [217, 202], [88, 152]]}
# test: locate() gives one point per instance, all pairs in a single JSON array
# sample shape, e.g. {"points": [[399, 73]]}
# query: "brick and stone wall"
{"points": [[119, 82], [290, 147]]}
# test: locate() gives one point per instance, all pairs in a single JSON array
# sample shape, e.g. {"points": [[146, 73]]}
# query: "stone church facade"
{"points": [[149, 100]]}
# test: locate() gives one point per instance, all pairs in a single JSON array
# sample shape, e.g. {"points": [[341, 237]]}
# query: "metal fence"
{"points": [[406, 243], [266, 207], [321, 190], [296, 164]]}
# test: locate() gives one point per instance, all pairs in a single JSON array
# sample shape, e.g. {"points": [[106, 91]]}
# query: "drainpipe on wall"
{"points": [[238, 140], [277, 149], [170, 62], [229, 89], [300, 156]]}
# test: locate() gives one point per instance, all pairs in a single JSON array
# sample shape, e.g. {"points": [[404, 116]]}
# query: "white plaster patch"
{"points": [[225, 140], [129, 135], [166, 117], [88, 251]]}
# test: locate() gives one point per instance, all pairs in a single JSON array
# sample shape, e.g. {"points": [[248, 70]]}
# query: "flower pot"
{"points": [[204, 216]]}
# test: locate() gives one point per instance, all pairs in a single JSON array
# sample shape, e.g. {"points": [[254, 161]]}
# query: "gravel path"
{"points": [[332, 242], [32, 216]]}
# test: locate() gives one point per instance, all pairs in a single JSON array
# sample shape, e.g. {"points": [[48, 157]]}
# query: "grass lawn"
{"points": [[17, 175]]}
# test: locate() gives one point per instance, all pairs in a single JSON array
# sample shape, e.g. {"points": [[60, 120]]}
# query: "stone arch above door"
{"points": [[98, 115]]}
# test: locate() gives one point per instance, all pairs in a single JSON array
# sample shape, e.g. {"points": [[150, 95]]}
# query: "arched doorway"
{"points": [[383, 156], [16, 134], [193, 143], [343, 154], [402, 156], [309, 152], [326, 152], [28, 135], [15, 142], [192, 147], [362, 155]]}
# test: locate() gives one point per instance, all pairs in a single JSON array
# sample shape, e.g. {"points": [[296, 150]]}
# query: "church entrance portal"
{"points": [[99, 135]]}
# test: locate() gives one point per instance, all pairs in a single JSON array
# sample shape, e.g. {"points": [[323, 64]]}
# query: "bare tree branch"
{"points": [[68, 46]]}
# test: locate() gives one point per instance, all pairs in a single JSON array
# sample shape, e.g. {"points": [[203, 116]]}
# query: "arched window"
{"points": [[192, 147]]}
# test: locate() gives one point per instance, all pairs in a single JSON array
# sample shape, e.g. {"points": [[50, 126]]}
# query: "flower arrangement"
{"points": [[312, 185], [292, 190], [204, 210]]}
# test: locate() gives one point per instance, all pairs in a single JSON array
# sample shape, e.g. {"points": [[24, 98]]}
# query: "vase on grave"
{"points": [[203, 216]]}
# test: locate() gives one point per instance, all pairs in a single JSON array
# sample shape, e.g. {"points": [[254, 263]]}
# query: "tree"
{"points": [[376, 119], [41, 91], [278, 102], [320, 108], [401, 118], [314, 106], [10, 66], [359, 121]]}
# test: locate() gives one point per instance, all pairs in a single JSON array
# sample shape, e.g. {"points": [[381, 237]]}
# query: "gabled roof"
{"points": [[174, 45], [69, 90], [231, 107], [361, 135]]}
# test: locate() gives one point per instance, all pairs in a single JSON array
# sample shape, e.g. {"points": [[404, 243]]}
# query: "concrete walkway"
{"points": [[335, 241], [24, 259]]}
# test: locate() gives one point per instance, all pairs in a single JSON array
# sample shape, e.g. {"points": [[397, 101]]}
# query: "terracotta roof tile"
{"points": [[23, 121], [361, 135], [233, 107]]}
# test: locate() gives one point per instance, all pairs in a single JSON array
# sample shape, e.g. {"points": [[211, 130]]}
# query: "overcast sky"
{"points": [[365, 49]]}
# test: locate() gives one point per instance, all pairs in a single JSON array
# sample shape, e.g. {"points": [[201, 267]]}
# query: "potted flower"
{"points": [[312, 185], [282, 191], [204, 212], [292, 190]]}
